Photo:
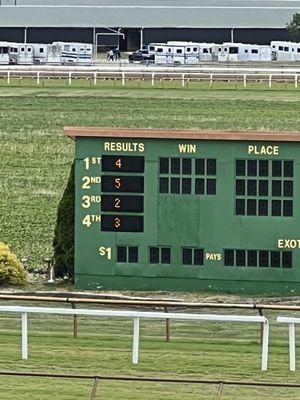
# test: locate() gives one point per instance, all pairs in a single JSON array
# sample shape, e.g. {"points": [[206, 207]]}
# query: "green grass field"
{"points": [[34, 166], [36, 157], [197, 350]]}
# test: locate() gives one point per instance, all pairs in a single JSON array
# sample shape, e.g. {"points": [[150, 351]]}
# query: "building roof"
{"points": [[148, 13]]}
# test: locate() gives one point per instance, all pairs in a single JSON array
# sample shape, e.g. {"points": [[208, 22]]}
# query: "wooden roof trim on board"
{"points": [[136, 133]]}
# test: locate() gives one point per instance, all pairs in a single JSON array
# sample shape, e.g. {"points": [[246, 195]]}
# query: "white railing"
{"points": [[291, 321], [243, 77], [136, 316]]}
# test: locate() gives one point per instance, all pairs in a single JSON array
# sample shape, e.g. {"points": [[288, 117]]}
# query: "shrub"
{"points": [[11, 270], [63, 242]]}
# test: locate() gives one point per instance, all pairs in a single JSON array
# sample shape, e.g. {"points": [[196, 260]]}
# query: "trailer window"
{"points": [[4, 50], [280, 48], [188, 49], [225, 49], [73, 49], [29, 49], [246, 51], [151, 48], [22, 49], [254, 51], [233, 50], [205, 51], [169, 50], [41, 50], [298, 50], [195, 49], [286, 49], [178, 51], [159, 50]]}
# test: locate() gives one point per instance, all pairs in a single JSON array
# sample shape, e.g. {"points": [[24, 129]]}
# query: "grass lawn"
{"points": [[197, 350], [36, 157], [34, 166]]}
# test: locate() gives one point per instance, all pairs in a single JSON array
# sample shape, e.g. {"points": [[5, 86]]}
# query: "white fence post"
{"points": [[123, 78], [245, 80], [70, 77], [24, 336], [38, 78], [182, 80], [8, 77], [265, 346], [152, 79], [296, 81], [95, 78], [136, 339], [211, 81], [270, 81], [292, 346]]}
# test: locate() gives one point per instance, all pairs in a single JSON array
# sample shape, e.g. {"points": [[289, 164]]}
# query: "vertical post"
{"points": [[292, 346], [231, 35], [25, 34], [211, 81], [167, 326], [296, 81], [136, 339], [94, 44], [94, 390], [95, 78], [261, 325], [70, 77], [123, 78], [220, 391], [24, 336], [152, 79], [265, 346], [245, 80], [8, 77], [270, 81], [38, 78], [75, 322], [182, 80], [142, 38]]}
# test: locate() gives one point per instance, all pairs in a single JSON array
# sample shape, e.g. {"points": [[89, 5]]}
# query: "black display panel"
{"points": [[121, 203], [123, 164], [122, 223], [127, 184]]}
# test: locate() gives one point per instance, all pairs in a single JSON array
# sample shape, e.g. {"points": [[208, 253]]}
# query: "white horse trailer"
{"points": [[21, 53], [285, 51], [163, 54], [40, 53], [4, 53], [75, 53], [54, 51], [236, 52], [184, 52]]}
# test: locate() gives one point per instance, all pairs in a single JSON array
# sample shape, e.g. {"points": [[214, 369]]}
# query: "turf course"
{"points": [[36, 157], [35, 160], [197, 350]]}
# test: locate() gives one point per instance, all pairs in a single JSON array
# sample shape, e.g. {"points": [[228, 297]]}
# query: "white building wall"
{"points": [[148, 13]]}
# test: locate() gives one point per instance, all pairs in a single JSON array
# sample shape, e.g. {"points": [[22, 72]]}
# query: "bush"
{"points": [[11, 270], [63, 242]]}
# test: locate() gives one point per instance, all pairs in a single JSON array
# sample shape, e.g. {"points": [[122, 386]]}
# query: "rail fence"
{"points": [[162, 304], [96, 379], [184, 79], [136, 316]]}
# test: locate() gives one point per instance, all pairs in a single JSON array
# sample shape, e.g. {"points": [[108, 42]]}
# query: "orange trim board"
{"points": [[136, 133]]}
